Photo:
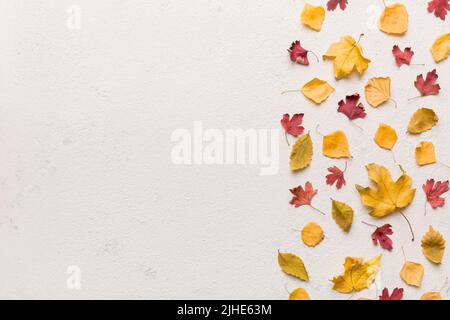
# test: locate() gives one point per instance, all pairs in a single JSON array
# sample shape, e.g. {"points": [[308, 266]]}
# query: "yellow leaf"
{"points": [[378, 91], [335, 145], [394, 19], [431, 296], [422, 120], [389, 195], [342, 214], [357, 275], [441, 47], [317, 90], [385, 137], [433, 245], [312, 234], [313, 16], [292, 265], [299, 294], [412, 273], [347, 55], [425, 153], [301, 154]]}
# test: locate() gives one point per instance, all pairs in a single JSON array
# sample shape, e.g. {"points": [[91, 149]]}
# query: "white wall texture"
{"points": [[86, 176]]}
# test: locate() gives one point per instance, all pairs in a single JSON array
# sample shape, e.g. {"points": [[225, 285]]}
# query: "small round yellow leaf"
{"points": [[394, 19], [378, 91], [425, 153], [317, 90], [335, 145], [412, 273], [385, 137], [441, 47], [313, 16], [299, 294], [433, 245], [422, 120], [312, 234], [431, 296]]}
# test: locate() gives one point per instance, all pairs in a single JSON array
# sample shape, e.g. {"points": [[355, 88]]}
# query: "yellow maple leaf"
{"points": [[433, 245], [292, 265], [343, 214], [335, 145], [394, 19], [412, 273], [347, 55], [378, 91], [357, 275], [389, 195], [312, 234], [385, 137], [425, 153], [317, 90], [313, 16], [422, 120], [301, 154], [441, 48], [431, 296], [299, 294]]}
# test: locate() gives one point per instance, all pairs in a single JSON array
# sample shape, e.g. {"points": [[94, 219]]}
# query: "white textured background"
{"points": [[85, 171]]}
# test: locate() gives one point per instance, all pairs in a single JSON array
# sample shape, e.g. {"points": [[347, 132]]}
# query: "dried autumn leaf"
{"points": [[433, 245], [292, 126], [317, 90], [352, 108], [394, 19], [440, 8], [428, 86], [425, 153], [397, 294], [335, 145], [358, 275], [342, 214], [441, 48], [434, 192], [422, 120], [431, 296], [347, 55], [402, 57], [298, 54], [299, 294], [292, 265], [313, 16], [332, 4], [380, 235], [336, 175], [388, 195], [385, 137], [378, 91], [312, 234], [302, 196], [412, 273], [301, 154]]}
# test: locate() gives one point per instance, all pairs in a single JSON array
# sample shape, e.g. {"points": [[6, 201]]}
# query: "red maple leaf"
{"points": [[397, 294], [336, 175], [440, 8], [351, 108], [332, 4], [298, 53], [428, 86], [402, 57], [292, 126], [302, 196], [381, 236], [434, 192]]}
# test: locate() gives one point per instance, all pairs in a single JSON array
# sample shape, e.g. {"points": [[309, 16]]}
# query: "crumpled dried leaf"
{"points": [[431, 296], [335, 145], [312, 234], [378, 91], [357, 275], [394, 19], [347, 55], [441, 48], [299, 294], [313, 16], [389, 195], [292, 265], [422, 120], [412, 273], [385, 137], [425, 153], [433, 245], [301, 154], [343, 214], [317, 90]]}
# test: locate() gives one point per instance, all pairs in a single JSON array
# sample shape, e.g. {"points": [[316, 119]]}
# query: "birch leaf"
{"points": [[313, 16], [431, 296], [301, 154], [292, 265], [317, 90], [422, 120], [433, 245], [342, 214], [385, 137], [412, 273], [335, 145], [299, 294], [394, 19], [312, 234], [441, 48], [425, 153], [378, 91]]}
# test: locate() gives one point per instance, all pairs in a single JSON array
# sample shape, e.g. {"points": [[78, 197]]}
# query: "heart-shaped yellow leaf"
{"points": [[358, 275], [422, 120], [299, 294], [335, 145], [433, 245], [301, 154], [312, 234], [313, 16], [385, 137], [343, 215], [441, 48], [317, 90], [292, 265], [412, 273], [378, 91], [425, 153], [394, 19]]}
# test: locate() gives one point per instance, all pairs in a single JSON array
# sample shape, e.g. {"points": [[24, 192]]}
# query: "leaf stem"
{"points": [[395, 103], [404, 255], [287, 140], [409, 224], [318, 210], [369, 224], [345, 168], [317, 130], [288, 91], [416, 97], [315, 55]]}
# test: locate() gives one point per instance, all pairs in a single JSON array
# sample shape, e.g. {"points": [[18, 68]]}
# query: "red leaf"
{"points": [[303, 196], [440, 8], [336, 175], [292, 126], [298, 53], [402, 57], [434, 191], [351, 108], [381, 236], [397, 294], [428, 86], [332, 4]]}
